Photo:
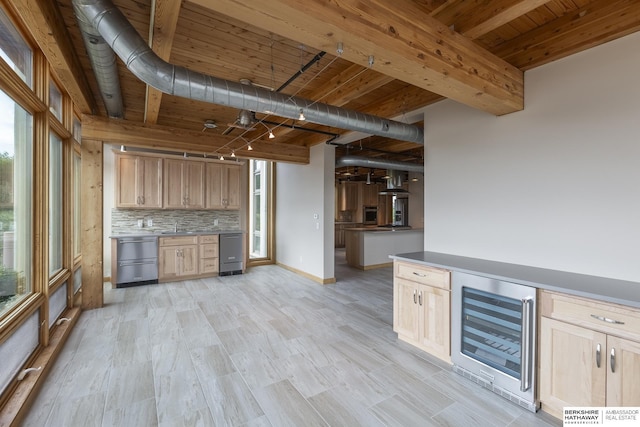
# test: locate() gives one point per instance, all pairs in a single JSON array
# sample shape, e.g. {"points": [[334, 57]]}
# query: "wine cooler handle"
{"points": [[525, 345], [598, 355]]}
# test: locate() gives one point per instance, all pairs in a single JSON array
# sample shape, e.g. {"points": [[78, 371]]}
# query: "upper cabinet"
{"points": [[370, 194], [183, 184], [138, 182], [222, 184], [347, 196], [152, 182]]}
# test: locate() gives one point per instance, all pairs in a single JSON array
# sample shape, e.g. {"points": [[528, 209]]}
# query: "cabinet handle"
{"points": [[419, 274], [598, 355], [612, 359], [414, 296], [606, 319], [420, 297]]}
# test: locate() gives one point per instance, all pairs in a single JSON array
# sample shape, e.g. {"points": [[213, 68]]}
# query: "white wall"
{"points": [[303, 242], [556, 185], [108, 203]]}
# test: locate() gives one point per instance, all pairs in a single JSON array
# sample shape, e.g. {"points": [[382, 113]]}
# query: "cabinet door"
{"points": [[405, 309], [213, 186], [434, 330], [194, 184], [569, 372], [126, 182], [168, 262], [622, 382], [150, 181], [188, 260], [173, 195], [232, 187]]}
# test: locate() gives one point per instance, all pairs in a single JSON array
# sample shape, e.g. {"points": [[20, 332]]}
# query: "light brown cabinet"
{"points": [[209, 255], [370, 194], [138, 182], [422, 307], [589, 353], [177, 257], [347, 196], [222, 186], [183, 184]]}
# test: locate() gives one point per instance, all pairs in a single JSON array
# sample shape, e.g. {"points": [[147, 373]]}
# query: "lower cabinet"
{"points": [[422, 307], [589, 353], [209, 255], [177, 257]]}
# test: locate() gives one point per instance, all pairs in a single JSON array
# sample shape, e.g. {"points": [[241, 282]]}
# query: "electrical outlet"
{"points": [[215, 222], [149, 222]]}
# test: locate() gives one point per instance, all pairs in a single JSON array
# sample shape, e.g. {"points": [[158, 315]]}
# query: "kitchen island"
{"points": [[370, 247]]}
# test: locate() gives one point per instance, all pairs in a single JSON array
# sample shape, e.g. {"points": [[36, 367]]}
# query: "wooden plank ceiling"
{"points": [[473, 51]]}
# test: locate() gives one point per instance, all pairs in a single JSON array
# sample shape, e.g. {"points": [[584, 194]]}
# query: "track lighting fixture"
{"points": [[123, 148], [369, 178], [271, 135], [233, 153], [302, 117], [249, 147], [221, 157]]}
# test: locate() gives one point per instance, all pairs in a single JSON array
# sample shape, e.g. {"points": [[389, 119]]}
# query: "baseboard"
{"points": [[307, 275]]}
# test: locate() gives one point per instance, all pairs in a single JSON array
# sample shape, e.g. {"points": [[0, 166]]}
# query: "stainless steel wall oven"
{"points": [[370, 215], [493, 335]]}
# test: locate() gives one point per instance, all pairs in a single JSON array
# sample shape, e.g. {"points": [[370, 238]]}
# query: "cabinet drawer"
{"points": [[431, 276], [209, 265], [209, 238], [596, 315], [178, 240], [209, 250]]}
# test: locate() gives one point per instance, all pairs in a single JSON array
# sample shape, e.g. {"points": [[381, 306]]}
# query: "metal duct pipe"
{"points": [[179, 81], [103, 62], [373, 163]]}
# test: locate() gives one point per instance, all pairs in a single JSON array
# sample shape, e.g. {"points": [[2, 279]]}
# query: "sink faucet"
{"points": [[175, 227]]}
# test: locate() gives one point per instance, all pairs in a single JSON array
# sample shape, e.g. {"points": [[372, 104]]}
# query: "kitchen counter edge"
{"points": [[594, 287], [172, 234]]}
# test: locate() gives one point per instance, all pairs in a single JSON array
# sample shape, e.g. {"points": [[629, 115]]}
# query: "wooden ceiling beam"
{"points": [[404, 41], [479, 17], [589, 26], [46, 25], [134, 134], [164, 21]]}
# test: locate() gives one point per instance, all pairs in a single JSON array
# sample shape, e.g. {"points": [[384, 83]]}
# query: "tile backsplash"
{"points": [[125, 221]]}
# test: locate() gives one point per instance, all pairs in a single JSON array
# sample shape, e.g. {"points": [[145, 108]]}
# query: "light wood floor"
{"points": [[267, 348]]}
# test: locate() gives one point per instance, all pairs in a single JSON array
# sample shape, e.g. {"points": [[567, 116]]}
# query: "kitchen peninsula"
{"points": [[370, 247]]}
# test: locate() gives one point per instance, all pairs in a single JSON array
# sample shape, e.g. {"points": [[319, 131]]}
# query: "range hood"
{"points": [[394, 184]]}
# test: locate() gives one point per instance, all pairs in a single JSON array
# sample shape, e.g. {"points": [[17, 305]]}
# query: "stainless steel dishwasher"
{"points": [[136, 261], [230, 254]]}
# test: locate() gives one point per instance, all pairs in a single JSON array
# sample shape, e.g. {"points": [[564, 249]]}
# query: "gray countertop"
{"points": [[600, 288], [383, 229], [171, 233]]}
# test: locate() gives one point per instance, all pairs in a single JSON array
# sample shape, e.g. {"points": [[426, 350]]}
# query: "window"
{"points": [[77, 130], [55, 204], [15, 51], [259, 240], [55, 100], [16, 212], [76, 204]]}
